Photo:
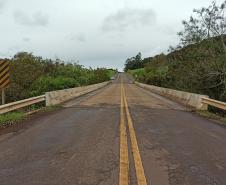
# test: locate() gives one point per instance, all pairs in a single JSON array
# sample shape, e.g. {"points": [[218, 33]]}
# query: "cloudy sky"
{"points": [[97, 33]]}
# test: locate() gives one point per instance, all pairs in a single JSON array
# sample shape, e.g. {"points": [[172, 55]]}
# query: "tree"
{"points": [[206, 23], [31, 76], [213, 20], [209, 25], [198, 63], [134, 62]]}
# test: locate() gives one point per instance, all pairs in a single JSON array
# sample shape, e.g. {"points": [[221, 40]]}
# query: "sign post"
{"points": [[3, 96]]}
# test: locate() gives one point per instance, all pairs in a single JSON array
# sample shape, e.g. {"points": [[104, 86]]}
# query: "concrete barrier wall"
{"points": [[57, 97], [188, 99]]}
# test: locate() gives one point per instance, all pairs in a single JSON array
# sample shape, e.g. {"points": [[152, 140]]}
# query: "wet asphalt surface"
{"points": [[79, 144]]}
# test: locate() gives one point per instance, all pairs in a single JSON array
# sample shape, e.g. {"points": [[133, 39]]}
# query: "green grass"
{"points": [[11, 118], [137, 72], [111, 73], [140, 70], [213, 116], [51, 108]]}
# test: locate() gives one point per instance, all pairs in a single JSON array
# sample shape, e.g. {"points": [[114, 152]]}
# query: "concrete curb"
{"points": [[189, 99], [57, 97]]}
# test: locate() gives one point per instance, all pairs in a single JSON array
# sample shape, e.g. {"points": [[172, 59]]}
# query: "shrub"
{"points": [[46, 84]]}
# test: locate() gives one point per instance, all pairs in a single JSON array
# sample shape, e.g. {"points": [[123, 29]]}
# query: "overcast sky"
{"points": [[97, 33]]}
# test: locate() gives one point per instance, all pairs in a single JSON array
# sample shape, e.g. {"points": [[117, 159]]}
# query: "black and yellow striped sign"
{"points": [[4, 74]]}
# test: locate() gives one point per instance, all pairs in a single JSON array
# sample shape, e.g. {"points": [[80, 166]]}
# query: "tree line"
{"points": [[134, 62], [198, 63], [32, 76]]}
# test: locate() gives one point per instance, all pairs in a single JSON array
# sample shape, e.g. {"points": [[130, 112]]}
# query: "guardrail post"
{"points": [[47, 99], [202, 106]]}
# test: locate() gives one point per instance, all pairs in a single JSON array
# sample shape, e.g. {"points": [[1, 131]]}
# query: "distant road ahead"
{"points": [[94, 140]]}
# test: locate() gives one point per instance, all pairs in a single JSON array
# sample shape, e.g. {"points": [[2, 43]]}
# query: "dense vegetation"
{"points": [[134, 62], [198, 63], [32, 76]]}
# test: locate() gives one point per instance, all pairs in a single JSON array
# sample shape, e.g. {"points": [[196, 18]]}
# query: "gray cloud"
{"points": [[2, 5], [14, 48], [96, 35], [126, 18], [26, 39], [37, 19], [80, 37]]}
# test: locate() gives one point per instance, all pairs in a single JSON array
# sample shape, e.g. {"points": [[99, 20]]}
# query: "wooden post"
{"points": [[3, 96]]}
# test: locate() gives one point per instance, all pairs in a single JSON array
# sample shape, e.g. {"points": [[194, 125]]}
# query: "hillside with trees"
{"points": [[134, 63], [198, 63]]}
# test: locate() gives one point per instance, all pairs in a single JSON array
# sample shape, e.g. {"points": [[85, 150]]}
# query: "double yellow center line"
{"points": [[124, 159]]}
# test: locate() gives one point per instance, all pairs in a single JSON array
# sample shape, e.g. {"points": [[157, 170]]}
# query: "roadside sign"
{"points": [[4, 74], [4, 77]]}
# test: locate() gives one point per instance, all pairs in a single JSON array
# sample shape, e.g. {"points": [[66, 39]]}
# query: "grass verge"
{"points": [[51, 108], [136, 73], [11, 118], [210, 115], [111, 73]]}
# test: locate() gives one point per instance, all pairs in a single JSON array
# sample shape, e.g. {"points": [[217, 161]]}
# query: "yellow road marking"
{"points": [[141, 179], [124, 161]]}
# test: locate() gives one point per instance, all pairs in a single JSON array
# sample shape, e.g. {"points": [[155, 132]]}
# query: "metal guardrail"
{"points": [[214, 103], [20, 104], [30, 101]]}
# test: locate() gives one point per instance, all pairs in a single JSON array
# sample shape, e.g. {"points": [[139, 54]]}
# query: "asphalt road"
{"points": [[83, 143]]}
